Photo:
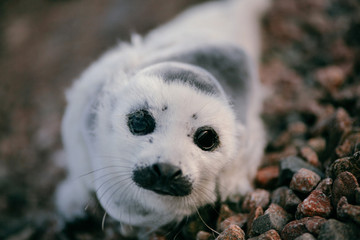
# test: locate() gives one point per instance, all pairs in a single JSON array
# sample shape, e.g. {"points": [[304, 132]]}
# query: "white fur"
{"points": [[113, 86]]}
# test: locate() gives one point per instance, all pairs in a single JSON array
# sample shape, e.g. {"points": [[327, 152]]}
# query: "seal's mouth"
{"points": [[163, 179]]}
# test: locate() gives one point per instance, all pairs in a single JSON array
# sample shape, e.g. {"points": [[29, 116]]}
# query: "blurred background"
{"points": [[311, 63]]}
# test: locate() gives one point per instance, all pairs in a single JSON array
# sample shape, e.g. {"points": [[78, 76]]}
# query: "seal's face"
{"points": [[160, 146]]}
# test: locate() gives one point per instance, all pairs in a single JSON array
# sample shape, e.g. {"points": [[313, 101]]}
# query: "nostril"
{"points": [[157, 170], [166, 171], [177, 174]]}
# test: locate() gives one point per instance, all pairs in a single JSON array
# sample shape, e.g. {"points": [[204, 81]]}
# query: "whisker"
{"points": [[103, 222], [202, 220], [118, 174], [108, 189], [100, 169], [115, 191]]}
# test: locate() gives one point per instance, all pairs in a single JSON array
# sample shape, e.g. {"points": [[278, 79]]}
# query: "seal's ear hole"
{"points": [[141, 122], [206, 138]]}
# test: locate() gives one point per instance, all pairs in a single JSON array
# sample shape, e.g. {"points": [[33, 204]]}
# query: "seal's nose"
{"points": [[166, 171], [163, 178]]}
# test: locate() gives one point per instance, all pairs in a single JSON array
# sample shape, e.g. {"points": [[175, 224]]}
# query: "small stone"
{"points": [[316, 204], [313, 224], [233, 232], [267, 176], [279, 196], [331, 77], [334, 229], [310, 155], [269, 235], [305, 236], [318, 144], [296, 228], [293, 229], [348, 211], [335, 126], [344, 185], [304, 181], [355, 160], [357, 196], [290, 165], [225, 212], [259, 197], [202, 235], [254, 214], [297, 128], [339, 166], [345, 148], [238, 219], [286, 198], [325, 186], [157, 236], [275, 217]]}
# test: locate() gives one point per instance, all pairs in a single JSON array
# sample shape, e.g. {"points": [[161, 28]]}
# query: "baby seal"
{"points": [[170, 122]]}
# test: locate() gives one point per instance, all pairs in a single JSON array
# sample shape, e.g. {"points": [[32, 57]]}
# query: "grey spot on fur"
{"points": [[151, 140], [91, 121], [197, 80], [195, 116], [227, 63], [164, 108]]}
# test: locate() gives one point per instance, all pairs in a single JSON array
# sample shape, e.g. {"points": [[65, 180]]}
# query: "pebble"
{"points": [[269, 235], [357, 196], [305, 236], [325, 186], [304, 181], [339, 166], [296, 228], [316, 204], [334, 126], [238, 219], [156, 236], [297, 129], [310, 156], [344, 185], [257, 198], [286, 198], [346, 147], [331, 77], [202, 235], [267, 176], [275, 217], [318, 144], [225, 212], [233, 232], [279, 195], [254, 214], [290, 165], [347, 211], [334, 230]]}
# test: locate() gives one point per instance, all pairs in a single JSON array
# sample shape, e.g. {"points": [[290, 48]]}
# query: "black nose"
{"points": [[165, 170], [163, 178]]}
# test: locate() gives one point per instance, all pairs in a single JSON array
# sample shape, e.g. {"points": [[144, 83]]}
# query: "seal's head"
{"points": [[159, 142]]}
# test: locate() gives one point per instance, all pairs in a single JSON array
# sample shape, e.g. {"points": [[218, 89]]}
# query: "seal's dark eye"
{"points": [[206, 138], [141, 122]]}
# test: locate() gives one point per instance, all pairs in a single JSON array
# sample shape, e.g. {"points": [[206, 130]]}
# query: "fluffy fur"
{"points": [[97, 139]]}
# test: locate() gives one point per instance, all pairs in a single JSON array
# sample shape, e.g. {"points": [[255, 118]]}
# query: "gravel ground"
{"points": [[308, 185]]}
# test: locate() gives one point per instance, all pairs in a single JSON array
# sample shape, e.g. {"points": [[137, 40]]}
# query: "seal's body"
{"points": [[170, 122]]}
